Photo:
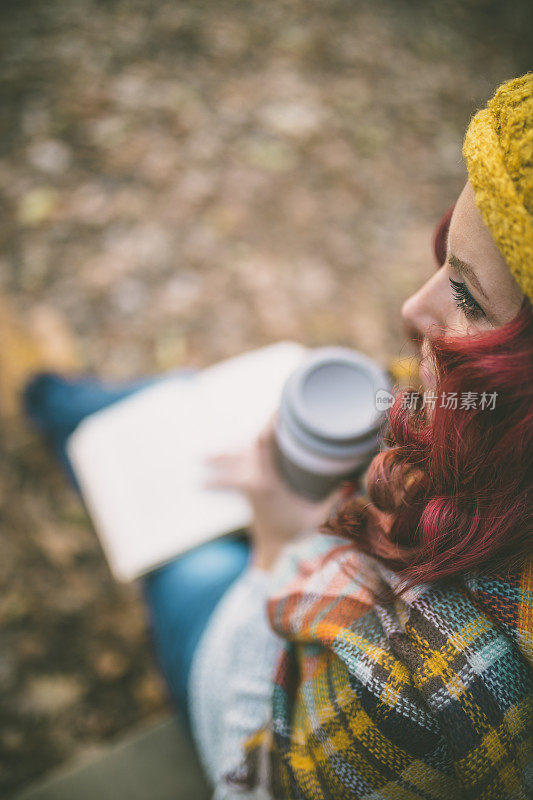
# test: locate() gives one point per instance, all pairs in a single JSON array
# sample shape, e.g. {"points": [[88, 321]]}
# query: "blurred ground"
{"points": [[182, 181]]}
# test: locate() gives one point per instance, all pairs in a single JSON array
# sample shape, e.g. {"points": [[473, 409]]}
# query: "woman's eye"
{"points": [[464, 300]]}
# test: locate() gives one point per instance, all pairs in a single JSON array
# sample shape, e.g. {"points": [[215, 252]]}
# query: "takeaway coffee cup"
{"points": [[329, 421]]}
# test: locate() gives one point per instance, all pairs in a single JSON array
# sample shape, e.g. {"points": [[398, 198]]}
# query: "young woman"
{"points": [[396, 660]]}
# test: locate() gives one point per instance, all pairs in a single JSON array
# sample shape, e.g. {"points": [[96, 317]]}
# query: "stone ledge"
{"points": [[156, 762]]}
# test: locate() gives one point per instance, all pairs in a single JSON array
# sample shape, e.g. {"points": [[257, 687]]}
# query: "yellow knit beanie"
{"points": [[498, 150]]}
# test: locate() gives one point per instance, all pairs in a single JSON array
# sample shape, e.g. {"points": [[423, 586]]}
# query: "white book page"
{"points": [[140, 462]]}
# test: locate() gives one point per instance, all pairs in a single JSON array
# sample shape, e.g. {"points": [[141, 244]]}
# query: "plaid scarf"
{"points": [[430, 696]]}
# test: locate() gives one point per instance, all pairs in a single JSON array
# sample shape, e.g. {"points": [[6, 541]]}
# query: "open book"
{"points": [[140, 462]]}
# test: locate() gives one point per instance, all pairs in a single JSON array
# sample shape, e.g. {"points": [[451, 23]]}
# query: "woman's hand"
{"points": [[279, 514]]}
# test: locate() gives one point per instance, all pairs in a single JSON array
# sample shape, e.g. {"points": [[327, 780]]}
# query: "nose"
{"points": [[407, 313], [422, 310]]}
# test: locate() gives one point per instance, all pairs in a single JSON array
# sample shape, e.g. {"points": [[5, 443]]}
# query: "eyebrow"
{"points": [[466, 270]]}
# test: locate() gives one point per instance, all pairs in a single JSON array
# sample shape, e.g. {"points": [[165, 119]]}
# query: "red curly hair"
{"points": [[452, 491]]}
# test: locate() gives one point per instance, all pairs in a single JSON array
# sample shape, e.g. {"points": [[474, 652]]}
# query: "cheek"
{"points": [[456, 323], [427, 374]]}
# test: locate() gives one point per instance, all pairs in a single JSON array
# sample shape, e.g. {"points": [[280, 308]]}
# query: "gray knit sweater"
{"points": [[230, 683]]}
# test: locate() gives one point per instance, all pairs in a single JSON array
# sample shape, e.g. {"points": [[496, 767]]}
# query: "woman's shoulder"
{"points": [[438, 676], [326, 593], [319, 575]]}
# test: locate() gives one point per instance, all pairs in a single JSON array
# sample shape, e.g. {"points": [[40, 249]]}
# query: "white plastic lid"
{"points": [[330, 400]]}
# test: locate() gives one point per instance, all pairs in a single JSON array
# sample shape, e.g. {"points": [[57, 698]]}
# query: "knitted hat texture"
{"points": [[498, 150]]}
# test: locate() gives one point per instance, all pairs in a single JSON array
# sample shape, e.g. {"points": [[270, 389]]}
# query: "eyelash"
{"points": [[464, 300]]}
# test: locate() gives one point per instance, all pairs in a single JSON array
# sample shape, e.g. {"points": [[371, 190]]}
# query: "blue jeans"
{"points": [[181, 595]]}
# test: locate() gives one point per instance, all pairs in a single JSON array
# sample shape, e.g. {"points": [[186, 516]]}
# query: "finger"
{"points": [[238, 473], [222, 458], [225, 480]]}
